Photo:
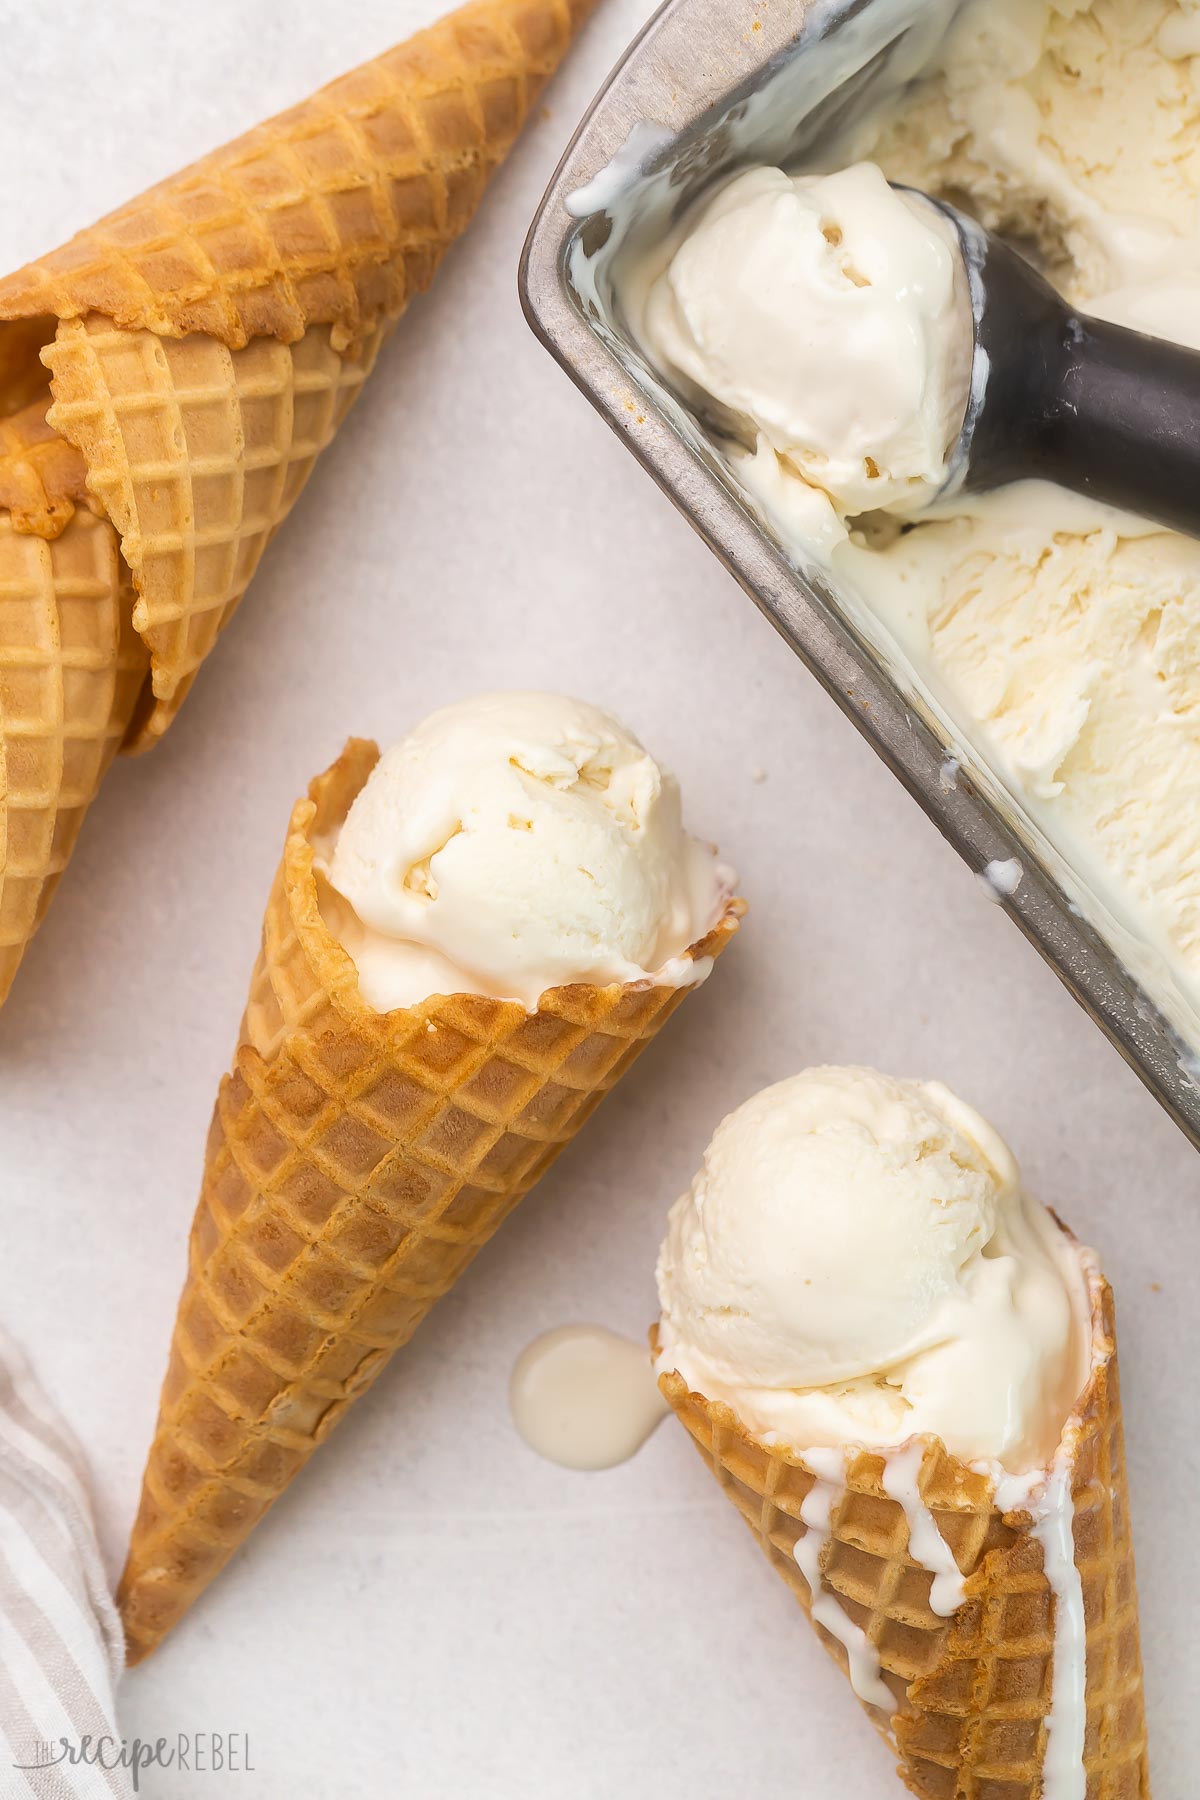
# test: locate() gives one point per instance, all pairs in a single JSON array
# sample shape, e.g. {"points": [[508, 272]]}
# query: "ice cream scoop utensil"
{"points": [[1057, 394]]}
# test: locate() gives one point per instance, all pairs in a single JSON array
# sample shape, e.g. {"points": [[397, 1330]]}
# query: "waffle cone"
{"points": [[357, 1162], [42, 477], [203, 344], [197, 454], [71, 669], [972, 1692]]}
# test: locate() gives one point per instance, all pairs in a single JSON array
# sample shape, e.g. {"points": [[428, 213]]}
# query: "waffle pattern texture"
{"points": [[179, 367], [334, 213], [71, 670], [972, 1691], [357, 1162], [197, 454], [42, 477]]}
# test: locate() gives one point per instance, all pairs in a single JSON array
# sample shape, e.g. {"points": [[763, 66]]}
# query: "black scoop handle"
{"points": [[1095, 407]]}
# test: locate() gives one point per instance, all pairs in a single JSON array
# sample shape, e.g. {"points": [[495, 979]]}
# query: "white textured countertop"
{"points": [[431, 1611]]}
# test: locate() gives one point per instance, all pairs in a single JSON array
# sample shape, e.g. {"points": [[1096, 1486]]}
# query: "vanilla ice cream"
{"points": [[1065, 638], [1069, 126], [824, 321], [858, 1263], [514, 843], [1072, 645], [1058, 638]]}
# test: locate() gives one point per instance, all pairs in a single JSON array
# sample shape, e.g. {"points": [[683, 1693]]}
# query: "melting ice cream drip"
{"points": [[1048, 1501], [816, 1514], [1001, 879], [613, 183], [585, 1398], [926, 1545]]}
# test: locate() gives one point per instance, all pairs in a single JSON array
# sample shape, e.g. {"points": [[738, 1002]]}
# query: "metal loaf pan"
{"points": [[709, 85]]}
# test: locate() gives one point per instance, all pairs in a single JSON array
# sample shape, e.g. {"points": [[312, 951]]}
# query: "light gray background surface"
{"points": [[431, 1611]]}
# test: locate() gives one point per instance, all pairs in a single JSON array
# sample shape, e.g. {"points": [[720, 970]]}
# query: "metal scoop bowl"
{"points": [[1069, 398]]}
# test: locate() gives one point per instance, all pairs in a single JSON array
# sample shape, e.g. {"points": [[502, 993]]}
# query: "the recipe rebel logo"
{"points": [[195, 1752]]}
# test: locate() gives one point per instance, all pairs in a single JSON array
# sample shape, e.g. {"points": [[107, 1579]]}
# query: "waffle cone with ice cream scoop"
{"points": [[357, 1161], [986, 1620], [965, 1698], [178, 368]]}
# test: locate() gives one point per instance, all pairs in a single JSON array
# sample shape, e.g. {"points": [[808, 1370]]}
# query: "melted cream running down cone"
{"points": [[357, 1162], [203, 345], [993, 1698], [902, 1370]]}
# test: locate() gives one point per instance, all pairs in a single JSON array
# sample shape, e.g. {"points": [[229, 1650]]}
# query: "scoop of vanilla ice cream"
{"points": [[829, 319], [856, 1262], [514, 843]]}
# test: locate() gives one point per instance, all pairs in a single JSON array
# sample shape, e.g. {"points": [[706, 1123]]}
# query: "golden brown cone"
{"points": [[71, 669], [972, 1691], [205, 342], [197, 454], [333, 213], [42, 477], [356, 1163]]}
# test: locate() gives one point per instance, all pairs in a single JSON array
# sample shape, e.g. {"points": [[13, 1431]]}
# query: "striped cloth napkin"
{"points": [[61, 1649]]}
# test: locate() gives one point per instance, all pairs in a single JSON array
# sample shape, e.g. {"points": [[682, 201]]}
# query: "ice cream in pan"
{"points": [[468, 942], [1058, 635], [902, 1370]]}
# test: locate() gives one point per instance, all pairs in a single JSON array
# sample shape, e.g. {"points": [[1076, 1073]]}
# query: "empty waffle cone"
{"points": [[204, 343], [197, 454], [42, 477], [71, 669], [972, 1692], [356, 1163]]}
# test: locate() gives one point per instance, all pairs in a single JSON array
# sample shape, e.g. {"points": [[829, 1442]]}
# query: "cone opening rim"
{"points": [[323, 811], [675, 1388]]}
